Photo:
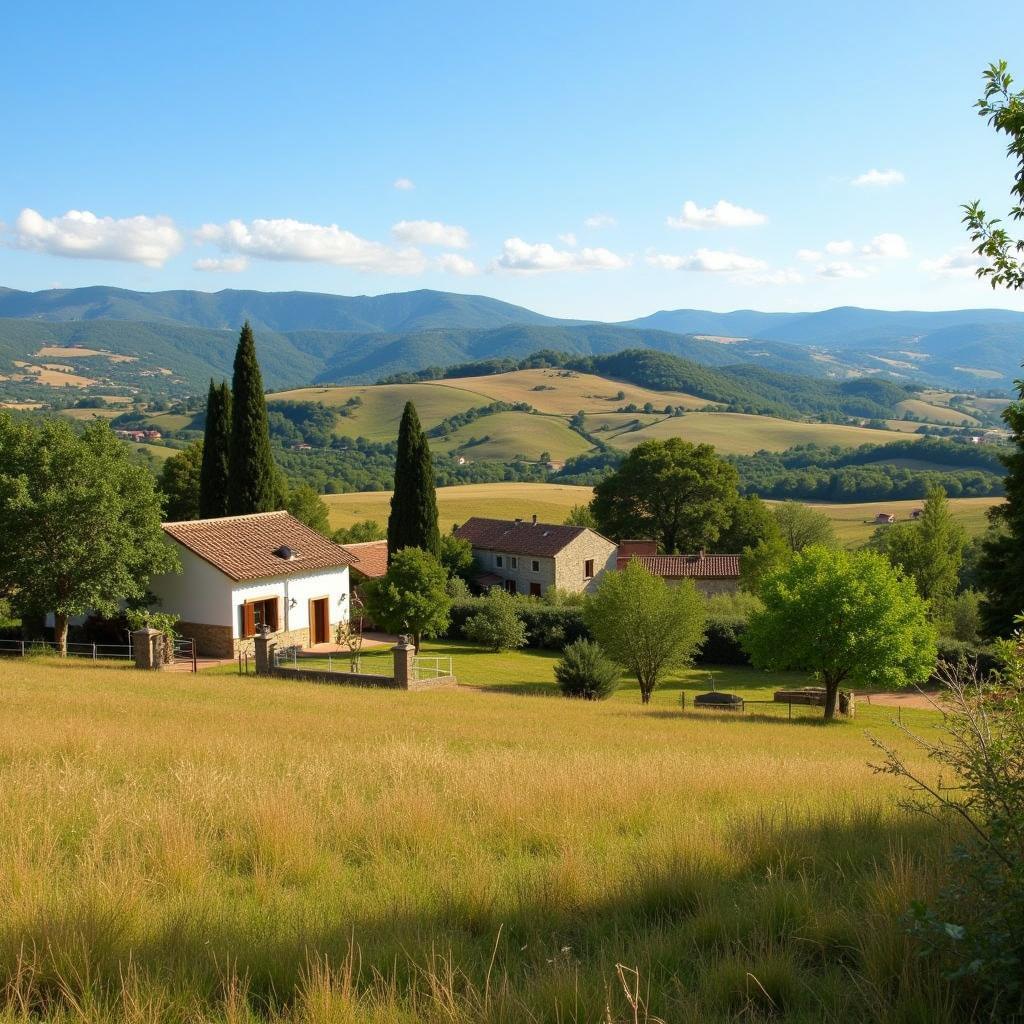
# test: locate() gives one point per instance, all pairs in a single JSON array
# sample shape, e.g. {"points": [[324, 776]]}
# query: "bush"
{"points": [[584, 671], [723, 642], [497, 624], [547, 627]]}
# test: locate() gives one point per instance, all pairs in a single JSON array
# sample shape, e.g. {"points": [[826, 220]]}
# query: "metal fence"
{"points": [[431, 666], [778, 710], [33, 648]]}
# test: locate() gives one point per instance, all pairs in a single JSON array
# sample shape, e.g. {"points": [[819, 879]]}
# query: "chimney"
{"points": [[534, 518], [701, 553]]}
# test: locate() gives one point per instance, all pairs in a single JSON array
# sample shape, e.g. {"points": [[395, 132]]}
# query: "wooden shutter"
{"points": [[248, 620]]}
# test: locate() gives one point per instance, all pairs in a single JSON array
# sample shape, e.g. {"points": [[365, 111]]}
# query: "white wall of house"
{"points": [[203, 594]]}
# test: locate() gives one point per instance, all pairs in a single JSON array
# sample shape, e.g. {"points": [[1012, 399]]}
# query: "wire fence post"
{"points": [[93, 652], [23, 648]]}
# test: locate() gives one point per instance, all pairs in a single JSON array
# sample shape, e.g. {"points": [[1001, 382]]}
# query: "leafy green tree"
{"points": [[497, 625], [751, 521], [308, 507], [214, 480], [254, 485], [929, 550], [847, 617], [413, 519], [802, 526], [1005, 112], [644, 625], [359, 533], [457, 557], [1000, 570], [180, 483], [79, 521], [411, 597], [581, 515], [761, 560], [675, 492], [584, 671]]}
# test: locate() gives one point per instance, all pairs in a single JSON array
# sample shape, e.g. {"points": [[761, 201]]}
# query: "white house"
{"points": [[240, 573]]}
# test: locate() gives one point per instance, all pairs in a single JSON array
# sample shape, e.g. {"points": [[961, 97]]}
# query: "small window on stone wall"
{"points": [[588, 569]]}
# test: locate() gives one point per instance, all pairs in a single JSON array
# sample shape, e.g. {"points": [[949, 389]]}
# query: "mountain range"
{"points": [[307, 337]]}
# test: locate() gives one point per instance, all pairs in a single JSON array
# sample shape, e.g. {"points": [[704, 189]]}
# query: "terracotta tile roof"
{"points": [[242, 547], [371, 557], [518, 537], [704, 567]]}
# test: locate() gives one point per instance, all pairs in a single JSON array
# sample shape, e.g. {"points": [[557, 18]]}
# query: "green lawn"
{"points": [[515, 433]]}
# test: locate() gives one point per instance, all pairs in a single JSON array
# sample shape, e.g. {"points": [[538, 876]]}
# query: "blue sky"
{"points": [[584, 159]]}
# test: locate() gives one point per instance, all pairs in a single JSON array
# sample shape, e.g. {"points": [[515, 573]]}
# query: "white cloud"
{"points": [[886, 246], [294, 240], [81, 234], [568, 238], [404, 184], [707, 260], [228, 265], [839, 248], [722, 215], [808, 255], [959, 262], [453, 263], [879, 179], [528, 258], [600, 220], [431, 232], [841, 270], [782, 276]]}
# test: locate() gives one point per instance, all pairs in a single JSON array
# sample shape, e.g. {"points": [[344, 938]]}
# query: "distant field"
{"points": [[566, 392], [378, 417], [936, 413], [158, 451], [854, 526], [516, 433], [88, 414], [551, 503], [738, 433]]}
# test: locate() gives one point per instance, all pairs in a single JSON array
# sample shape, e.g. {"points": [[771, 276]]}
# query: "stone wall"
{"points": [[361, 679], [217, 642]]}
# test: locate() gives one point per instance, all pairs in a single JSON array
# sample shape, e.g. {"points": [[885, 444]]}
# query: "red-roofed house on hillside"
{"points": [[241, 573], [369, 559], [711, 574], [528, 557]]}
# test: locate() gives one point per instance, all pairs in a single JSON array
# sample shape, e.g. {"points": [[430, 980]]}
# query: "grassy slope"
{"points": [[737, 433], [551, 502], [198, 846], [936, 413], [515, 433]]}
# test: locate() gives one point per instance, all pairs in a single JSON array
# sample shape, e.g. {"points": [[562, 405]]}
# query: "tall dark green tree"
{"points": [[1000, 570], [413, 519], [213, 476], [253, 485]]}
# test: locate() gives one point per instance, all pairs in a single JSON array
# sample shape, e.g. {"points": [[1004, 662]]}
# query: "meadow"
{"points": [[225, 848], [853, 522]]}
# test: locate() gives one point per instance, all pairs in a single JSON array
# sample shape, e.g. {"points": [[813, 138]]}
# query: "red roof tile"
{"points": [[371, 558], [243, 547], [716, 567], [522, 537]]}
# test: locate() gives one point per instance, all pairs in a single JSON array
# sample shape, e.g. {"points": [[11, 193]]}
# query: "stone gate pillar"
{"points": [[148, 648], [265, 648], [404, 652]]}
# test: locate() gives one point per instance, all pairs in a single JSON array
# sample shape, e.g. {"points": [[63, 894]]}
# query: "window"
{"points": [[257, 614], [588, 569], [513, 562], [510, 586], [498, 561], [536, 565], [534, 590]]}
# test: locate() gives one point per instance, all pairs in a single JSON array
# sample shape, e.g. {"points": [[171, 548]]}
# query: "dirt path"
{"points": [[911, 699]]}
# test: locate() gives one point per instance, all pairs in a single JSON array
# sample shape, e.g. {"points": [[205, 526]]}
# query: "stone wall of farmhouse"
{"points": [[710, 587], [217, 642], [570, 564]]}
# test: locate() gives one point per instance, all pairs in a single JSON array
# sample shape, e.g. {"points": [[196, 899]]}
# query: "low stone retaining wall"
{"points": [[311, 675]]}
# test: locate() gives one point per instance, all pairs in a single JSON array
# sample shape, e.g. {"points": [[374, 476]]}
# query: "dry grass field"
{"points": [[936, 413], [177, 848], [738, 433], [511, 434], [551, 502]]}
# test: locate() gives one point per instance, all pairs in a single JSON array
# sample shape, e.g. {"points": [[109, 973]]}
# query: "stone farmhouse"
{"points": [[711, 574], [242, 573], [528, 557]]}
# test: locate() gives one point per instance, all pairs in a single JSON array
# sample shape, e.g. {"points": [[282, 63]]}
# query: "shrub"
{"points": [[546, 627], [497, 624], [584, 671]]}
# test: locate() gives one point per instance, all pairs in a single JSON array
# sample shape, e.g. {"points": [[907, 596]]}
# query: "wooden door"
{"points": [[319, 621]]}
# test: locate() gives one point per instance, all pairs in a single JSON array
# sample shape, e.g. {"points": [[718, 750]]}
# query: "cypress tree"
{"points": [[251, 472], [1001, 568], [213, 475], [413, 519]]}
